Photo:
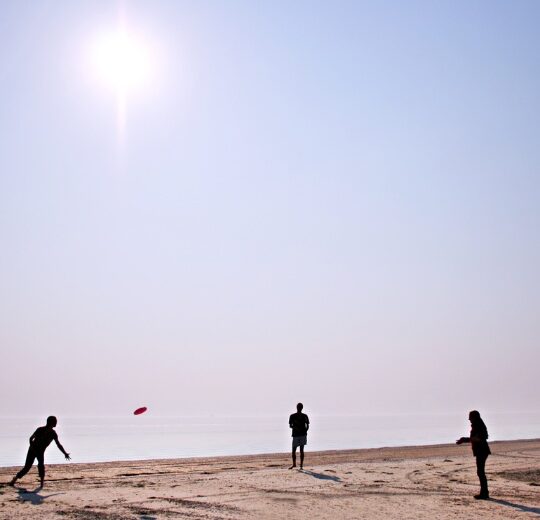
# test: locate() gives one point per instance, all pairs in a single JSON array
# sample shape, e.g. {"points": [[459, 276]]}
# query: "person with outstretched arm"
{"points": [[478, 439], [39, 441], [299, 422]]}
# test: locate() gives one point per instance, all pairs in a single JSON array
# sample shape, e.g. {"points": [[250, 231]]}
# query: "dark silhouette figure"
{"points": [[39, 441], [299, 422], [481, 451]]}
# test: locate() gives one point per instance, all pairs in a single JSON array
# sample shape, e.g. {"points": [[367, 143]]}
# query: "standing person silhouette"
{"points": [[299, 422], [39, 441], [481, 451]]}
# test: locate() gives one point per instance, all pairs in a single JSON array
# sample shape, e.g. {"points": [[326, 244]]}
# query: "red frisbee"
{"points": [[140, 410]]}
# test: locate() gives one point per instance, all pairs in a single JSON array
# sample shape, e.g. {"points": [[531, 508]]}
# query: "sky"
{"points": [[329, 202]]}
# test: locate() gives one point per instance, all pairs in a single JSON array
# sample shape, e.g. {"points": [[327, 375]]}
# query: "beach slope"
{"points": [[420, 482]]}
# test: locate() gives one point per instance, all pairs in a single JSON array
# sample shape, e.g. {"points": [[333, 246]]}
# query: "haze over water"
{"points": [[95, 439]]}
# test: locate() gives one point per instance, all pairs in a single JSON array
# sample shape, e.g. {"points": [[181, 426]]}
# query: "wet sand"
{"points": [[420, 482]]}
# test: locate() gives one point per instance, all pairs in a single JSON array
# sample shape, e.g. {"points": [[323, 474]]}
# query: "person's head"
{"points": [[474, 416], [299, 407], [51, 421]]}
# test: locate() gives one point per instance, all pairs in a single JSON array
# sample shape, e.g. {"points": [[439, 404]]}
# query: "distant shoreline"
{"points": [[336, 456]]}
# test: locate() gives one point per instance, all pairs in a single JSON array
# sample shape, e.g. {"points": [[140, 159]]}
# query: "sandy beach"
{"points": [[405, 483]]}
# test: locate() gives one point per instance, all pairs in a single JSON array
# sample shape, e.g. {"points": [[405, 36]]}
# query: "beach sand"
{"points": [[421, 482]]}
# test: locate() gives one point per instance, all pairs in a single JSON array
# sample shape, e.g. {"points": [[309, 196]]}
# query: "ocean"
{"points": [[147, 436]]}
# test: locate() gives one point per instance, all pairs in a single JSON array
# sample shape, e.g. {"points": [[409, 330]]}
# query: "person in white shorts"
{"points": [[299, 422]]}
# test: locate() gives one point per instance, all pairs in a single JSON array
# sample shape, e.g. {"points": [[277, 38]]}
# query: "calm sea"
{"points": [[96, 439]]}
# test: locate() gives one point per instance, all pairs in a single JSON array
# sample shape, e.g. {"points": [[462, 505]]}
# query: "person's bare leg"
{"points": [[41, 468], [27, 466], [293, 459], [301, 457]]}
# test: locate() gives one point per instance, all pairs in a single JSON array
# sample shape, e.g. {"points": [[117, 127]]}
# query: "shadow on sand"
{"points": [[519, 507], [33, 496], [320, 476]]}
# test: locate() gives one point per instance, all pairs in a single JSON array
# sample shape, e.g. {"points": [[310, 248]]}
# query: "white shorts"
{"points": [[299, 441]]}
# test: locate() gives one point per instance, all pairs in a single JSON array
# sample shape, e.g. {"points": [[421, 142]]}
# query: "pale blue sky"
{"points": [[330, 202]]}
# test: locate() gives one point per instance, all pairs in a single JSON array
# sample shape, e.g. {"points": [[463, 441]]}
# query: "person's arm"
{"points": [[61, 448], [479, 435], [307, 423], [290, 421], [463, 440], [33, 437]]}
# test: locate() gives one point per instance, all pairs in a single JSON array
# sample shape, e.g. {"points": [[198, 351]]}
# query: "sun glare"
{"points": [[121, 61]]}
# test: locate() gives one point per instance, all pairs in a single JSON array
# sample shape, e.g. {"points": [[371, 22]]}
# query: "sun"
{"points": [[122, 61]]}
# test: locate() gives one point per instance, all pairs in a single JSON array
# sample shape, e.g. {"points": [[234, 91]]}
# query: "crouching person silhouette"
{"points": [[39, 441]]}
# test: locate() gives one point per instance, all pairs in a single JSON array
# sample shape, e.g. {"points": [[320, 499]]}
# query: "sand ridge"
{"points": [[418, 482]]}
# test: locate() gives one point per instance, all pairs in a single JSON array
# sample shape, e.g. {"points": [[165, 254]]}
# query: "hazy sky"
{"points": [[331, 202]]}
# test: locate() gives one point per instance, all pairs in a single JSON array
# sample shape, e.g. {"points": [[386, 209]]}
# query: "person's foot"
{"points": [[12, 482], [301, 467], [293, 466], [482, 496]]}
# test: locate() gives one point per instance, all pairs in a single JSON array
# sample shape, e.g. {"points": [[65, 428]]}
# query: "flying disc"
{"points": [[140, 410]]}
